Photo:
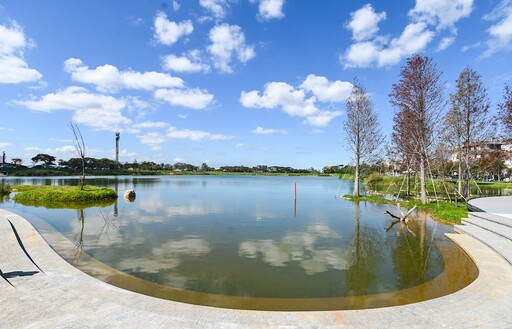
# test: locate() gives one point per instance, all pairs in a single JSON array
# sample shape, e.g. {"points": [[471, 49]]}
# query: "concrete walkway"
{"points": [[44, 291]]}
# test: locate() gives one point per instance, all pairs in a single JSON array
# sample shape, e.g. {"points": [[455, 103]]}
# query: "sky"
{"points": [[225, 82]]}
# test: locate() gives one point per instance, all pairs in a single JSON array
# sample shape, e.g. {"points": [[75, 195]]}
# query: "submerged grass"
{"points": [[61, 194], [5, 189], [442, 211]]}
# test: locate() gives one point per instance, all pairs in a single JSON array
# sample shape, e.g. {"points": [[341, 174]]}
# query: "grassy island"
{"points": [[60, 194]]}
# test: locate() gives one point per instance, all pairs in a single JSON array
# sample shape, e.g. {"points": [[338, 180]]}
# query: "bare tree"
{"points": [[403, 145], [420, 94], [469, 118], [453, 134], [79, 144], [362, 130], [505, 111]]}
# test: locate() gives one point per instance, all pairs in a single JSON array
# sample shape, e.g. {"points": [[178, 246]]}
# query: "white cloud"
{"points": [[364, 22], [326, 91], [150, 124], [500, 33], [441, 13], [270, 9], [31, 149], [5, 129], [178, 159], [13, 67], [445, 43], [108, 78], [63, 150], [184, 64], [168, 32], [175, 6], [4, 144], [263, 131], [427, 16], [98, 111], [218, 8], [414, 38], [293, 102], [195, 135], [152, 139], [227, 43], [196, 99]]}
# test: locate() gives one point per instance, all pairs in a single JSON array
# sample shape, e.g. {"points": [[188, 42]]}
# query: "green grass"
{"points": [[61, 194], [445, 212]]}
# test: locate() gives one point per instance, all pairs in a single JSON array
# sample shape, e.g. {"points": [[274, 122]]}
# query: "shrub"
{"points": [[373, 179]]}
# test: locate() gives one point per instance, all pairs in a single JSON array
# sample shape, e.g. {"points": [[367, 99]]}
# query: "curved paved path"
{"points": [[47, 292]]}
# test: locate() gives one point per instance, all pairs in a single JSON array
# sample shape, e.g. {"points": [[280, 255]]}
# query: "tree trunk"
{"points": [[459, 187], [466, 174], [423, 185], [356, 179], [408, 182], [416, 189]]}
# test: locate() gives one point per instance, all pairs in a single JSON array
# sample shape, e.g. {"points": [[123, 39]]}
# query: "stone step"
{"points": [[498, 243], [491, 217], [497, 228]]}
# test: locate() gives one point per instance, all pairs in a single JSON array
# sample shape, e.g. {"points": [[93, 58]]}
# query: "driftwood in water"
{"points": [[402, 218]]}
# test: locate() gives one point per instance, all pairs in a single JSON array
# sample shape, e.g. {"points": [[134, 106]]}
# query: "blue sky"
{"points": [[227, 82]]}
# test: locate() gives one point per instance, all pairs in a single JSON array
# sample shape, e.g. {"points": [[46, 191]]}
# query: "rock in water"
{"points": [[129, 195]]}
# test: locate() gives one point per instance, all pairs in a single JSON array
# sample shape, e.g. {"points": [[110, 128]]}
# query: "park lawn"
{"points": [[446, 212], [59, 194], [447, 188]]}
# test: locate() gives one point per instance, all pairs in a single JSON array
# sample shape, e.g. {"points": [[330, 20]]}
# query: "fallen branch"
{"points": [[402, 218]]}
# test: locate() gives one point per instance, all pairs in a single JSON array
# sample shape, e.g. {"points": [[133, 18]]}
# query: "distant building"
{"points": [[485, 149]]}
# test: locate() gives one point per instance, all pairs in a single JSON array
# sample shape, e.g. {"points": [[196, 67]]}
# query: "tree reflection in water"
{"points": [[412, 248], [107, 225], [364, 259]]}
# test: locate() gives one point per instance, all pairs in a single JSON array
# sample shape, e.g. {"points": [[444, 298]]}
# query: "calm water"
{"points": [[246, 236]]}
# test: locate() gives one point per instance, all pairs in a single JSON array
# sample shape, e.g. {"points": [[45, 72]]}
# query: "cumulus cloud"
{"points": [[263, 131], [428, 18], [296, 102], [441, 13], [195, 135], [196, 99], [100, 112], [218, 8], [190, 63], [326, 91], [108, 78], [13, 67], [445, 43], [228, 43], [500, 33], [414, 38], [270, 9], [364, 22], [168, 32], [152, 139]]}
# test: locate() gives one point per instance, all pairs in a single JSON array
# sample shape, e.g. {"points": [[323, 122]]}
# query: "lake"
{"points": [[253, 242]]}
